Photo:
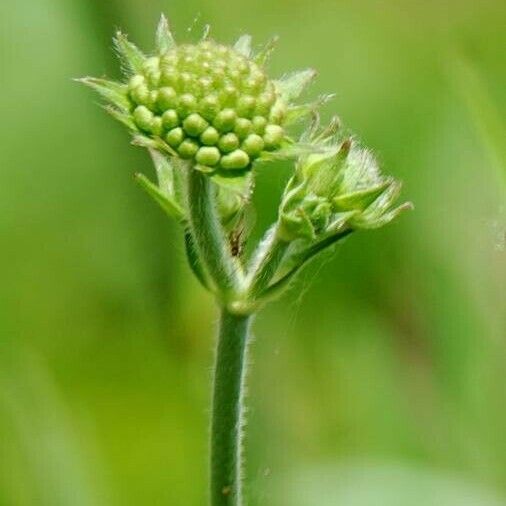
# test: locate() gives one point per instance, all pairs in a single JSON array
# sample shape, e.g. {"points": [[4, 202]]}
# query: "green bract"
{"points": [[205, 102]]}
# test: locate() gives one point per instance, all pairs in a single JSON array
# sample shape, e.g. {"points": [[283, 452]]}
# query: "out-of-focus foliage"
{"points": [[388, 366]]}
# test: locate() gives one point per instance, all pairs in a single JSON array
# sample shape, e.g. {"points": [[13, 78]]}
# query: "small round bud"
{"points": [[167, 98], [169, 76], [143, 118], [175, 137], [228, 142], [154, 77], [152, 99], [236, 160], [135, 81], [187, 105], [229, 94], [253, 145], [170, 119], [242, 127], [209, 107], [259, 124], [208, 156], [194, 124], [278, 112], [152, 63], [225, 120], [245, 106], [273, 136], [188, 149], [156, 126], [210, 136], [264, 103], [140, 94]]}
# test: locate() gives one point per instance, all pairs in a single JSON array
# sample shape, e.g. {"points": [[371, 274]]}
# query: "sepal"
{"points": [[132, 58], [164, 38]]}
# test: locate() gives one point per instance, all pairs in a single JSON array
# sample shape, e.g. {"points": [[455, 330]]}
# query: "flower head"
{"points": [[205, 102]]}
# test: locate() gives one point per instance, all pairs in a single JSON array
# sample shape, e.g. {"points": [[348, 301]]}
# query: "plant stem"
{"points": [[227, 410], [269, 256], [208, 234]]}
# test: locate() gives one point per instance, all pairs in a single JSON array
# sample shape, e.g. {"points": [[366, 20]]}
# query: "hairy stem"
{"points": [[227, 410], [208, 233], [269, 256]]}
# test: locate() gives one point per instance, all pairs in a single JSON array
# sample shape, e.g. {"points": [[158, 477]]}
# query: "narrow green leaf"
{"points": [[243, 45], [291, 86], [171, 207], [130, 55], [114, 93], [164, 38]]}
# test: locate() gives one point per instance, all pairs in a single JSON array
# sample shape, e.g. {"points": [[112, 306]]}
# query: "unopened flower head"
{"points": [[208, 103]]}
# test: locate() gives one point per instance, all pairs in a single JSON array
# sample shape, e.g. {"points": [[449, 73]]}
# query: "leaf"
{"points": [[243, 45], [291, 86], [164, 38], [115, 93], [170, 206], [130, 55]]}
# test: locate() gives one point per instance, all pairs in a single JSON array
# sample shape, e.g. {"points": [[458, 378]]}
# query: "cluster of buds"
{"points": [[207, 103], [210, 104], [337, 187]]}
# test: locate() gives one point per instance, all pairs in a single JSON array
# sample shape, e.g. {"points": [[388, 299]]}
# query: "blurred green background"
{"points": [[379, 380]]}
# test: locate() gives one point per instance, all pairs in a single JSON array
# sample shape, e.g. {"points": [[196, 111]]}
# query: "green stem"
{"points": [[267, 261], [208, 233], [227, 410]]}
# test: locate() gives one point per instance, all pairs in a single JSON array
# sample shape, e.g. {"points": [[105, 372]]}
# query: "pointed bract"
{"points": [[131, 56], [243, 45], [263, 56], [164, 38], [170, 206], [113, 92], [291, 86]]}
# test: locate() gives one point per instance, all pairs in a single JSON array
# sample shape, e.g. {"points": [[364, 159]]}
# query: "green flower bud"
{"points": [[208, 156], [228, 142], [157, 126], [194, 125], [210, 136], [242, 127], [143, 118], [175, 137], [225, 120], [259, 123], [187, 105], [245, 106], [273, 136], [170, 119], [236, 160], [188, 149], [253, 145], [167, 98]]}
